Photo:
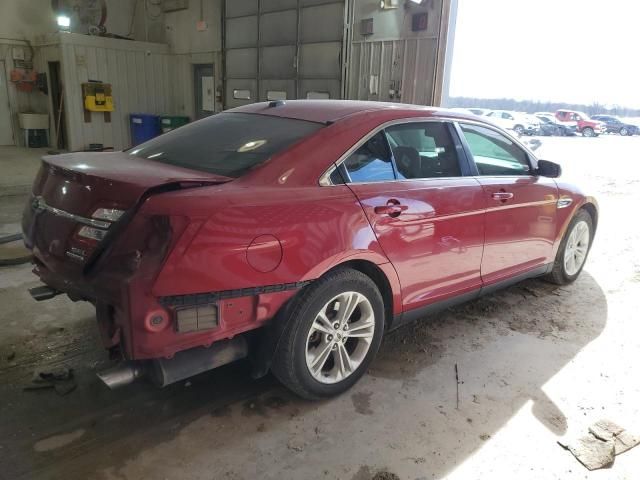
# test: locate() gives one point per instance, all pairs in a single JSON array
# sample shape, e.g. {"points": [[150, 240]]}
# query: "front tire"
{"points": [[573, 250], [519, 129], [335, 328], [588, 132], [624, 132]]}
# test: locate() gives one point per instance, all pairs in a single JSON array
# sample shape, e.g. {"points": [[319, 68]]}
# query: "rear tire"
{"points": [[574, 245], [519, 129], [317, 357]]}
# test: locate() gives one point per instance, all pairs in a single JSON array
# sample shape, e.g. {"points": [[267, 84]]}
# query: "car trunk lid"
{"points": [[70, 188]]}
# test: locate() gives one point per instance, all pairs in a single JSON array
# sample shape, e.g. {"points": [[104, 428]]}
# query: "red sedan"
{"points": [[296, 233]]}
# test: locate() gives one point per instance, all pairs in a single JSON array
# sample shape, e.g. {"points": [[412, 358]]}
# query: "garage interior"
{"points": [[483, 390]]}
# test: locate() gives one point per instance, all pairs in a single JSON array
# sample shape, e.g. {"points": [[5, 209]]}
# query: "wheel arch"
{"points": [[379, 277], [382, 274], [592, 210]]}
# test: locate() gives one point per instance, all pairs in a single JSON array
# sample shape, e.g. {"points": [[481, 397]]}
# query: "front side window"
{"points": [[423, 150], [227, 144], [495, 154], [371, 162]]}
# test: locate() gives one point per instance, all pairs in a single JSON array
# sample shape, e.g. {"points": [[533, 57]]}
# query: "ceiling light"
{"points": [[64, 21]]}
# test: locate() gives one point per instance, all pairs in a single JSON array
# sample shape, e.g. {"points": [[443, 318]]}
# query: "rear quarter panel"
{"points": [[314, 228]]}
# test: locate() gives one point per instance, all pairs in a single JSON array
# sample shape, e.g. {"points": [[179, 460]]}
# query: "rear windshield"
{"points": [[226, 144]]}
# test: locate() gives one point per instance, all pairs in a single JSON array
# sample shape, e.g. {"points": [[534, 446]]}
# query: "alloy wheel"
{"points": [[340, 337], [576, 248]]}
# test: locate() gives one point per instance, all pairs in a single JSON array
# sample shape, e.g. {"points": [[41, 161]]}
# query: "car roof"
{"points": [[328, 111]]}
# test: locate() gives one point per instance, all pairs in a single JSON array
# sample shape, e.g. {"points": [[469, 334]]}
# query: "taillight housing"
{"points": [[92, 233], [105, 215], [109, 214]]}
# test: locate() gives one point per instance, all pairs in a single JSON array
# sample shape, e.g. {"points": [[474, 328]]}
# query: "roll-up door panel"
{"points": [[278, 62], [271, 5], [277, 90], [242, 63], [323, 23], [279, 28], [320, 60], [316, 88], [236, 89], [238, 8], [304, 3], [282, 49], [241, 32]]}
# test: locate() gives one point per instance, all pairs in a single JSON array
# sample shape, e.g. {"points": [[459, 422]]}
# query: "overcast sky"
{"points": [[576, 51]]}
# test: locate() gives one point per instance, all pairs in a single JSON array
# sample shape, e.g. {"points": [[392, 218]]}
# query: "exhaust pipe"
{"points": [[43, 292], [185, 364], [191, 362], [121, 375]]}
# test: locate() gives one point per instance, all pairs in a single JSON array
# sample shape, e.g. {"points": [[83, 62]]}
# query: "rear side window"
{"points": [[495, 154], [371, 162], [227, 144], [423, 150]]}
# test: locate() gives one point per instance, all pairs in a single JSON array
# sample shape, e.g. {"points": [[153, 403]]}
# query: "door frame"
{"points": [[54, 107], [10, 113], [197, 88]]}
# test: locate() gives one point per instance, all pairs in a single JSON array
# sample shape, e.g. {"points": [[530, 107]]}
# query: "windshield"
{"points": [[227, 144]]}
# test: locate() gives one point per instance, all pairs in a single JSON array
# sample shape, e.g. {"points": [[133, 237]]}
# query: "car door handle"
{"points": [[392, 209], [502, 196]]}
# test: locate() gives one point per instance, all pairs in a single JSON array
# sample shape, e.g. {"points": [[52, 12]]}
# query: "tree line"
{"points": [[532, 106]]}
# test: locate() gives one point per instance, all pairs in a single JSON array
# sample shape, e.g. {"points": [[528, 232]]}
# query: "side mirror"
{"points": [[548, 169]]}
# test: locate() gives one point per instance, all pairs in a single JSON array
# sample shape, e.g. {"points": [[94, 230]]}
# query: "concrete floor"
{"points": [[18, 166], [536, 363]]}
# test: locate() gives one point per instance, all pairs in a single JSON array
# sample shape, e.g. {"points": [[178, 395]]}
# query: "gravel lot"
{"points": [[536, 363]]}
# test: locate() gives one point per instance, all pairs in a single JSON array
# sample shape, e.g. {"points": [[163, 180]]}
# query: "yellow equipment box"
{"points": [[97, 97]]}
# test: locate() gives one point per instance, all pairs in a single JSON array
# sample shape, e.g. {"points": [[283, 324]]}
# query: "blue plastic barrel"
{"points": [[144, 126]]}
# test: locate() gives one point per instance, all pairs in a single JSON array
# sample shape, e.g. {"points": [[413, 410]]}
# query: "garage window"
{"points": [[226, 144]]}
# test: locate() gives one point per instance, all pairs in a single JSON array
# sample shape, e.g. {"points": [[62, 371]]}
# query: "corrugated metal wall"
{"points": [[141, 82], [393, 62], [393, 70]]}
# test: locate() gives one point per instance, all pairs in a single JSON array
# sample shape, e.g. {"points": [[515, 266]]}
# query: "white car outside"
{"points": [[516, 121]]}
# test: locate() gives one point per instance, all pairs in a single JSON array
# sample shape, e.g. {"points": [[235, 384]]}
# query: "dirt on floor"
{"points": [[535, 363]]}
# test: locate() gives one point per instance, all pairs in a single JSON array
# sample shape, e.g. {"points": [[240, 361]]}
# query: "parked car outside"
{"points": [[534, 125], [479, 111], [615, 125], [296, 233], [549, 125], [520, 123], [586, 126]]}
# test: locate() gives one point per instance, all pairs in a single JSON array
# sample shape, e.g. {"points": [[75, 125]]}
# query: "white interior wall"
{"points": [[138, 72], [191, 47], [21, 21]]}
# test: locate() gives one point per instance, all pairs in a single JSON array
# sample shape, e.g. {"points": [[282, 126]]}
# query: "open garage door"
{"points": [[282, 49]]}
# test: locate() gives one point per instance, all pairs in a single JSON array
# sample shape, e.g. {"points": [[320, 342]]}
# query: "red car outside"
{"points": [[296, 233], [585, 125]]}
